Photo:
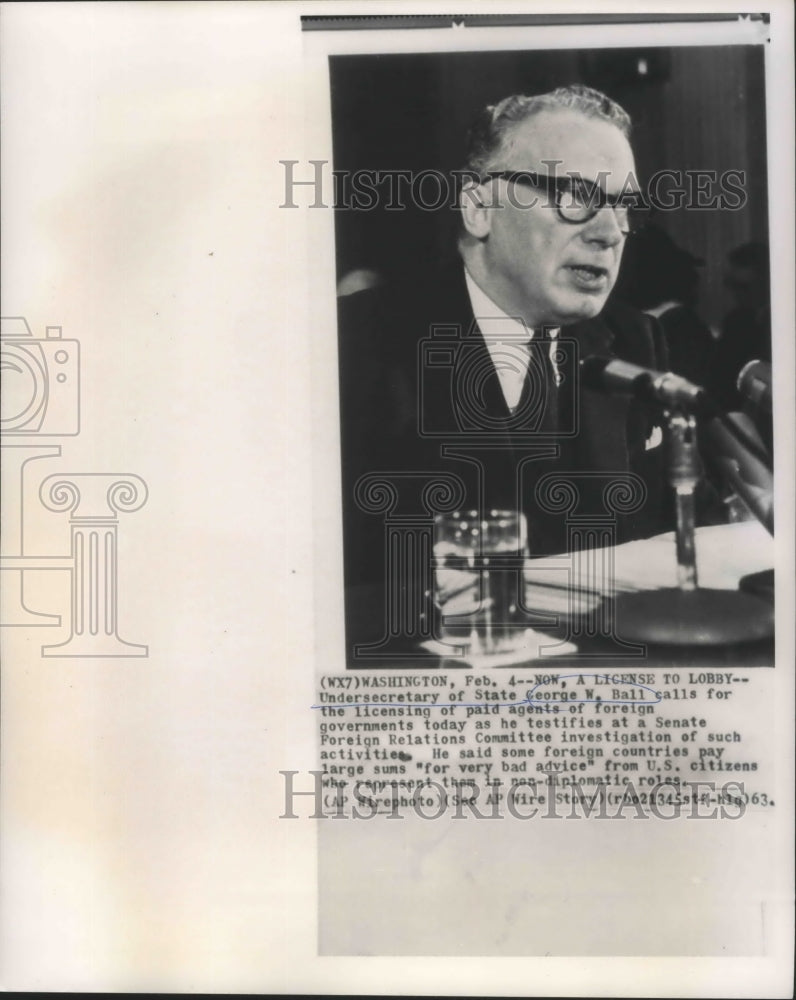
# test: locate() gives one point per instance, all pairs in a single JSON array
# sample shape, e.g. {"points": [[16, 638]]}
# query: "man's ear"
{"points": [[476, 216]]}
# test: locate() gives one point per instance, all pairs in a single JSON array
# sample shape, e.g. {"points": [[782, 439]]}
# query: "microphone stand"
{"points": [[684, 474], [687, 614]]}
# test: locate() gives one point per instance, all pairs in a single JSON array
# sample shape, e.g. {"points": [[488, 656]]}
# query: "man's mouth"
{"points": [[589, 276]]}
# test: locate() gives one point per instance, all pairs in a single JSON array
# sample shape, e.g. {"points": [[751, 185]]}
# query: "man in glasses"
{"points": [[549, 204], [473, 369]]}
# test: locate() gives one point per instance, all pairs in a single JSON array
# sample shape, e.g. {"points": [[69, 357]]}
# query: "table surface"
{"points": [[725, 554]]}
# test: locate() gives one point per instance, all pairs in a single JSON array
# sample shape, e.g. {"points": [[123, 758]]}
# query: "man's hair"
{"points": [[494, 125]]}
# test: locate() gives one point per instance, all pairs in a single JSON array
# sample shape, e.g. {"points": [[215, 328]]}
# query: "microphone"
{"points": [[754, 384], [613, 375]]}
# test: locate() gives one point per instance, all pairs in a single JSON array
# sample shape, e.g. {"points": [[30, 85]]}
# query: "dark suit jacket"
{"points": [[419, 393]]}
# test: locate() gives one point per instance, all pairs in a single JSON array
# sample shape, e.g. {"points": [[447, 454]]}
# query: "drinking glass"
{"points": [[478, 579]]}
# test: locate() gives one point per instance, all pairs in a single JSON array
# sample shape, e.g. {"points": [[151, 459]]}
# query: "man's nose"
{"points": [[604, 228]]}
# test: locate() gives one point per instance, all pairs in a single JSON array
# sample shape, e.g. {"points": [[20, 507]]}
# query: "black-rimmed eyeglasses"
{"points": [[578, 200]]}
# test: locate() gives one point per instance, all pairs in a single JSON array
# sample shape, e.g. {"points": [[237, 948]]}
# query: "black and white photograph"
{"points": [[555, 348]]}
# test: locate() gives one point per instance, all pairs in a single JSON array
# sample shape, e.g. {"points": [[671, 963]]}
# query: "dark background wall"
{"points": [[693, 108]]}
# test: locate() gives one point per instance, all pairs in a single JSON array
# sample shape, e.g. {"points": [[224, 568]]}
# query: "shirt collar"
{"points": [[495, 324]]}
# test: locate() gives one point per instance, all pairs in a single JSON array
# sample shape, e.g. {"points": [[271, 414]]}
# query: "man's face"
{"points": [[538, 266]]}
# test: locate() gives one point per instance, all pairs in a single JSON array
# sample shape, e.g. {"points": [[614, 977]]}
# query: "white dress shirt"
{"points": [[508, 341]]}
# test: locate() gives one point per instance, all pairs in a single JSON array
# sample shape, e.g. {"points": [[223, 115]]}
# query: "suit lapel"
{"points": [[475, 379], [601, 443]]}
